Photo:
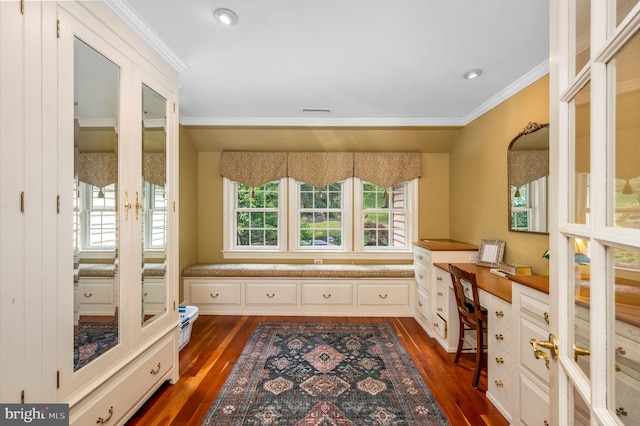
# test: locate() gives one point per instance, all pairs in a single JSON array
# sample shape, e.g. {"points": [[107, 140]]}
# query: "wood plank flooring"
{"points": [[217, 341]]}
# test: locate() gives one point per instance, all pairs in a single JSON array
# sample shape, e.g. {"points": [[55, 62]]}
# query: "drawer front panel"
{"points": [[422, 276], [271, 294], [442, 300], [123, 393], [376, 294], [534, 403], [539, 310], [500, 386], [500, 339], [422, 303], [327, 294], [216, 294], [422, 256], [500, 313], [528, 331], [97, 293], [440, 326], [442, 278], [154, 293]]}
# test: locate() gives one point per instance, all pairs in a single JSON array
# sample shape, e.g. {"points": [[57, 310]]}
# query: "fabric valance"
{"points": [[154, 165], [320, 168], [253, 168], [528, 166], [387, 168], [99, 169]]}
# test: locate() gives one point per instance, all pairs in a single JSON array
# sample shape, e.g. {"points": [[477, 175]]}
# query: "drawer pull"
{"points": [[101, 420], [213, 296], [546, 317], [499, 383], [439, 278], [271, 296], [326, 296], [499, 360], [499, 314], [420, 276], [88, 294], [156, 370], [621, 411], [420, 257], [420, 303], [621, 350], [440, 293], [436, 325], [382, 297], [145, 295], [440, 309], [499, 337]]}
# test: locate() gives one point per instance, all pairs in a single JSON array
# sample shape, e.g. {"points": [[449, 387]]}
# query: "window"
{"points": [[529, 206], [155, 223], [96, 216], [347, 219]]}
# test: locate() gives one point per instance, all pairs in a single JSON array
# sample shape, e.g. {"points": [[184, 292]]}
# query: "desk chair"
{"points": [[472, 317]]}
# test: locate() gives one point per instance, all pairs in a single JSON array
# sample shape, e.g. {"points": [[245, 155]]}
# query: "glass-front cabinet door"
{"points": [[595, 234]]}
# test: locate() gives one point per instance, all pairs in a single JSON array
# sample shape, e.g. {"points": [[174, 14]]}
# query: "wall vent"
{"points": [[323, 110]]}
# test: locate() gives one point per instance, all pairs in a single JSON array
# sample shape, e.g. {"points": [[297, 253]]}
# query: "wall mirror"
{"points": [[154, 205], [528, 174], [95, 209]]}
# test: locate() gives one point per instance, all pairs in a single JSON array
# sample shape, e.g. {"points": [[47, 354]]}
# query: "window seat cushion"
{"points": [[298, 270]]}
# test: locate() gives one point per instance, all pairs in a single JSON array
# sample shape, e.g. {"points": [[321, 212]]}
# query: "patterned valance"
{"points": [[97, 168], [154, 167], [528, 166], [253, 168], [387, 168], [320, 168]]}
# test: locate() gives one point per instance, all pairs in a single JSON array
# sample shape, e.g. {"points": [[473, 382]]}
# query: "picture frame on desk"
{"points": [[490, 253]]}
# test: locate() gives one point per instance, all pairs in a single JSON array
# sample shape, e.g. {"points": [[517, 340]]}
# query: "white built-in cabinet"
{"points": [[44, 299]]}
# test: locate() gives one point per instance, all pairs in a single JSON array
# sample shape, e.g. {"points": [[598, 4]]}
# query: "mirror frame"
{"points": [[532, 127]]}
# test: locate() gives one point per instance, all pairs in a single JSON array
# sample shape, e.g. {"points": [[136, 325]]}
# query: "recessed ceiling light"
{"points": [[471, 74], [226, 16]]}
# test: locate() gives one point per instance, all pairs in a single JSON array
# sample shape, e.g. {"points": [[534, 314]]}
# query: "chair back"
{"points": [[469, 308]]}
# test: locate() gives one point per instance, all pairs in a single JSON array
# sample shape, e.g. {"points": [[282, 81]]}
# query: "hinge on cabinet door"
{"points": [[174, 107], [58, 204], [22, 397], [22, 6], [174, 206], [58, 379], [58, 28], [174, 306], [22, 202]]}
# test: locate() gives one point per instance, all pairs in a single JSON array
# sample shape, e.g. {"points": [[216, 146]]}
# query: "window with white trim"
{"points": [[97, 217], [292, 218], [155, 223]]}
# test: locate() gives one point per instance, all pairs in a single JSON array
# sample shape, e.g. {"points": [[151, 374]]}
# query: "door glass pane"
{"points": [[95, 215], [623, 7], [581, 104], [626, 68], [626, 273], [582, 286], [154, 205], [581, 412], [582, 33]]}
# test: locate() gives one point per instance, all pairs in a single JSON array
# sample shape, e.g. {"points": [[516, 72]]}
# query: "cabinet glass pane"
{"points": [[154, 204], [581, 411], [582, 286], [95, 215], [581, 155], [582, 46], [626, 197], [626, 351], [623, 7]]}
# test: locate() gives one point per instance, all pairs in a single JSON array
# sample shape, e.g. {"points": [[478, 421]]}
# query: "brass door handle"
{"points": [[138, 205], [578, 351], [551, 345], [127, 205]]}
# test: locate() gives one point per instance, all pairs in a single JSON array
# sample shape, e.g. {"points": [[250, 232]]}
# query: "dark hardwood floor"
{"points": [[217, 341]]}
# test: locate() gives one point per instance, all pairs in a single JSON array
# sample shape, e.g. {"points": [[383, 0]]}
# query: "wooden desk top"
{"points": [[445, 245], [538, 282], [491, 283]]}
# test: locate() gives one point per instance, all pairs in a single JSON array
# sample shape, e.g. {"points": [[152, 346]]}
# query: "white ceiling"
{"points": [[372, 62]]}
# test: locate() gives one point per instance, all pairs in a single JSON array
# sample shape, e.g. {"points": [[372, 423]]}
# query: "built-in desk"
{"points": [[491, 283]]}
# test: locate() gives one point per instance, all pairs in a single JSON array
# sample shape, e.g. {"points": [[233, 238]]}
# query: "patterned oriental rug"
{"points": [[321, 374]]}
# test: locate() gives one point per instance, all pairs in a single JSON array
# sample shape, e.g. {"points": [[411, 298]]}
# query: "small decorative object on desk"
{"points": [[490, 253], [506, 269]]}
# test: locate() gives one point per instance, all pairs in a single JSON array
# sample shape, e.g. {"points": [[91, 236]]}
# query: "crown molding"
{"points": [[128, 14], [319, 122]]}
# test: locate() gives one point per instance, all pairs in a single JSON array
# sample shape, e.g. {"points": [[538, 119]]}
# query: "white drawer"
{"points": [[440, 326], [538, 309], [499, 363], [627, 397], [327, 294], [499, 312], [499, 385], [442, 299], [118, 396], [534, 403], [215, 293], [271, 294], [422, 276], [95, 290], [500, 339], [443, 277], [422, 256], [422, 303], [154, 293], [379, 294], [528, 331]]}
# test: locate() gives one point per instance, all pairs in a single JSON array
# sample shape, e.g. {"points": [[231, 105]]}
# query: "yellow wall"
{"points": [[188, 204], [478, 189]]}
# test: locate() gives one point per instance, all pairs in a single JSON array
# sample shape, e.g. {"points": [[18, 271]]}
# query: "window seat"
{"points": [[300, 289], [298, 270]]}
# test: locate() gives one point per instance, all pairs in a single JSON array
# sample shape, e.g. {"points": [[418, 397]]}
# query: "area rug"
{"points": [[317, 374], [92, 339]]}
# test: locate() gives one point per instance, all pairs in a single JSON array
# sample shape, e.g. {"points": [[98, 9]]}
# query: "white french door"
{"points": [[595, 211]]}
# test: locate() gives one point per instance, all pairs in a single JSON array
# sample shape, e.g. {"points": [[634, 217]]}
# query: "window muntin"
{"points": [[257, 215], [384, 216], [320, 214]]}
